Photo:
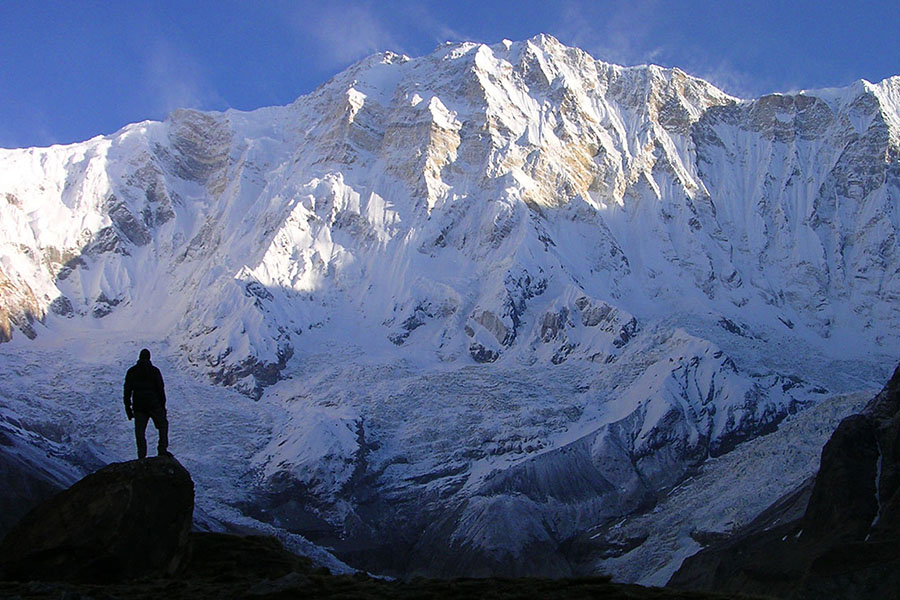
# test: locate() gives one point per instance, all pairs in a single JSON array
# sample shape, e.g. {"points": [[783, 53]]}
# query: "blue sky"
{"points": [[73, 69]]}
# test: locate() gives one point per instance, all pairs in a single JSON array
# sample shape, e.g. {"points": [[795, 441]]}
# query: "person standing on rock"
{"points": [[145, 399]]}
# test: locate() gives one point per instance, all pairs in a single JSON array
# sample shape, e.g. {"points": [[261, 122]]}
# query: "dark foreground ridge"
{"points": [[837, 536], [127, 520], [231, 582], [124, 532]]}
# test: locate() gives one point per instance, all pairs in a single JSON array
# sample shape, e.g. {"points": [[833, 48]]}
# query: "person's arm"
{"points": [[127, 395], [160, 387]]}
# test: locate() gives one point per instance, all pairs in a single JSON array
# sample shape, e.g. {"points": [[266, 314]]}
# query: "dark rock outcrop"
{"points": [[847, 542], [127, 520]]}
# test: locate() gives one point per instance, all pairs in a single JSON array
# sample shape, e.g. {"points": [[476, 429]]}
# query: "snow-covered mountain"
{"points": [[489, 298]]}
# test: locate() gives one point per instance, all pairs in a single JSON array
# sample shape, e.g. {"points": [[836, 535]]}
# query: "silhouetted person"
{"points": [[145, 398]]}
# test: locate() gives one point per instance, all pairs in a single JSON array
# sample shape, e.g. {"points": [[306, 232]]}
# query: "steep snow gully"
{"points": [[463, 313]]}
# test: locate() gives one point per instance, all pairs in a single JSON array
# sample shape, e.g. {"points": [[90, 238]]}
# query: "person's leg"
{"points": [[162, 426], [140, 427]]}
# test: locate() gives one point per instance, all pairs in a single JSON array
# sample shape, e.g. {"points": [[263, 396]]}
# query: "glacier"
{"points": [[454, 314]]}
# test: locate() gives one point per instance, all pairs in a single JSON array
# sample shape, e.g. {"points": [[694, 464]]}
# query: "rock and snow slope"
{"points": [[505, 284], [838, 537], [724, 495]]}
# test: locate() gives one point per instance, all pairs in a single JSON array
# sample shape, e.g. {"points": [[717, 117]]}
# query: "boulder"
{"points": [[128, 520]]}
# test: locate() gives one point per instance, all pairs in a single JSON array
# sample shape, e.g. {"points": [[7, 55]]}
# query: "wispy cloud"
{"points": [[346, 32], [621, 33], [420, 19], [31, 131], [726, 77], [637, 33], [173, 80]]}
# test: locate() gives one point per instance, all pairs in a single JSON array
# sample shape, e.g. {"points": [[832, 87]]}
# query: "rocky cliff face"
{"points": [[844, 544], [495, 280]]}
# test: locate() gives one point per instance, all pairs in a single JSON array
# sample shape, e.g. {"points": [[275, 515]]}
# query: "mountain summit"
{"points": [[491, 283]]}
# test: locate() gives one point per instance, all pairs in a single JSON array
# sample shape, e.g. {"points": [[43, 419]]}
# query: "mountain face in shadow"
{"points": [[846, 544], [123, 531]]}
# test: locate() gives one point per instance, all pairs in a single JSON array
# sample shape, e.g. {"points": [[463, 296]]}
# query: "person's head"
{"points": [[144, 355]]}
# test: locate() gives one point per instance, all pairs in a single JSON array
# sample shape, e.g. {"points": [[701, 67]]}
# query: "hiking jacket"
{"points": [[144, 386]]}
